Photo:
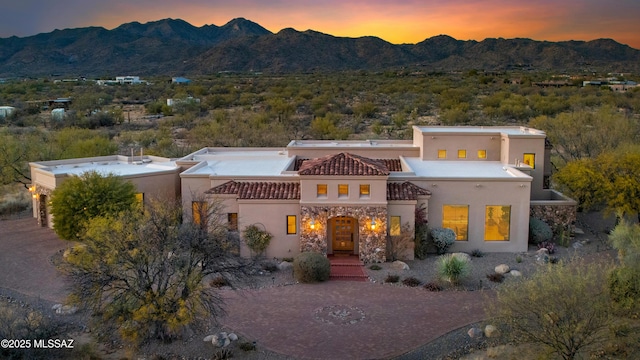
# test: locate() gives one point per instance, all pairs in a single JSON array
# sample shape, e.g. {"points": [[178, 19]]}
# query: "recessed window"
{"points": [[232, 221], [456, 218], [321, 190], [365, 190], [442, 154], [199, 209], [497, 223], [292, 224], [395, 226], [343, 190], [482, 154], [529, 159], [462, 154], [140, 200]]}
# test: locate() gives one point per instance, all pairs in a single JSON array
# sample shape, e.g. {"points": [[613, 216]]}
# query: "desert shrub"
{"points": [[270, 266], [433, 286], [452, 268], [218, 282], [421, 238], [223, 354], [375, 267], [539, 231], [247, 346], [624, 286], [477, 253], [411, 281], [311, 267], [495, 277], [392, 278], [443, 239], [257, 240], [551, 247], [549, 311], [399, 245]]}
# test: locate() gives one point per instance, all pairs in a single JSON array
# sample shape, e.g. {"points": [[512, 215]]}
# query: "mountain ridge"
{"points": [[173, 46]]}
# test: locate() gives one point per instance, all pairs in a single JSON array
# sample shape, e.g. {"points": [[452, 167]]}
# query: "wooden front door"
{"points": [[343, 233]]}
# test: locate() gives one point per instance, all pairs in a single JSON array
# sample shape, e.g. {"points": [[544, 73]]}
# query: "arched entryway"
{"points": [[343, 235]]}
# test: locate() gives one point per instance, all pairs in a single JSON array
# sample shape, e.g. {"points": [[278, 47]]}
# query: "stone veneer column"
{"points": [[372, 244]]}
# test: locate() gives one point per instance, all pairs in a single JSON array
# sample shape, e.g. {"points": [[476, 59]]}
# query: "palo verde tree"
{"points": [[142, 273], [549, 309], [611, 180], [81, 198]]}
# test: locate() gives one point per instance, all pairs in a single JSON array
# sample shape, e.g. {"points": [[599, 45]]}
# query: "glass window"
{"points": [[232, 221], [530, 159], [199, 209], [462, 154], [292, 224], [395, 226], [365, 190], [497, 223], [442, 154], [343, 190], [140, 200], [456, 218], [482, 154], [321, 190]]}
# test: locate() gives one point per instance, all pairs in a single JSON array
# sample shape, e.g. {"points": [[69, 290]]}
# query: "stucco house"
{"points": [[350, 196]]}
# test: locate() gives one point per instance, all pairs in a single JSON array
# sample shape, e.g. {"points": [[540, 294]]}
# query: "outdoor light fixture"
{"points": [[312, 224], [373, 224]]}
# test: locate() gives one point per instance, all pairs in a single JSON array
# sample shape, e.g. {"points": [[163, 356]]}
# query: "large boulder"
{"points": [[474, 333], [399, 265], [490, 331], [502, 269], [285, 265]]}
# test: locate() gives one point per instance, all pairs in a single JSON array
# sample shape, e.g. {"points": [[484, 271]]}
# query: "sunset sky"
{"points": [[407, 21]]}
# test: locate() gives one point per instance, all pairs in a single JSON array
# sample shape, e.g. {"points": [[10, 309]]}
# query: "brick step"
{"points": [[352, 272]]}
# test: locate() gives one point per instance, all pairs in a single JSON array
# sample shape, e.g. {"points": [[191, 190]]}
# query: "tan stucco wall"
{"points": [[478, 195], [514, 148], [452, 143], [378, 190], [272, 217]]}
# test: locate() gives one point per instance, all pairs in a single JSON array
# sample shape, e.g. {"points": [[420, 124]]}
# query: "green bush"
{"points": [[375, 267], [624, 286], [257, 240], [452, 268], [311, 267], [421, 238], [442, 239], [539, 231]]}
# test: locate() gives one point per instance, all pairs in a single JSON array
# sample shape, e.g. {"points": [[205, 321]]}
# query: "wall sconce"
{"points": [[373, 224], [35, 196], [312, 224]]}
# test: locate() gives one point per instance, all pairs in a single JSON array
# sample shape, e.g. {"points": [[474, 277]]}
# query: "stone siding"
{"points": [[371, 243], [555, 215]]}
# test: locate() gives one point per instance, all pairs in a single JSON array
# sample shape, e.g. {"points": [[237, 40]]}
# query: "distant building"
{"points": [[187, 100], [128, 79], [180, 80], [6, 111], [57, 114]]}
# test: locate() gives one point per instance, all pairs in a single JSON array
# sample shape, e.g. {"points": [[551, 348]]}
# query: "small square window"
{"points": [[442, 154], [365, 190], [482, 154], [462, 154], [232, 221], [292, 224], [530, 159], [321, 190], [343, 190]]}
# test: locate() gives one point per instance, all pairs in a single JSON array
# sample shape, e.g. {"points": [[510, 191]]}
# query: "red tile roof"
{"points": [[405, 191], [344, 164], [391, 164], [259, 190]]}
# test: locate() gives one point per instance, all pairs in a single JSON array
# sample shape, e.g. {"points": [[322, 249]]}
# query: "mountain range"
{"points": [[174, 47]]}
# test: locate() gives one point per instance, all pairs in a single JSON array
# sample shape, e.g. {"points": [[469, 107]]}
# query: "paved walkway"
{"points": [[25, 259], [349, 320], [331, 320]]}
